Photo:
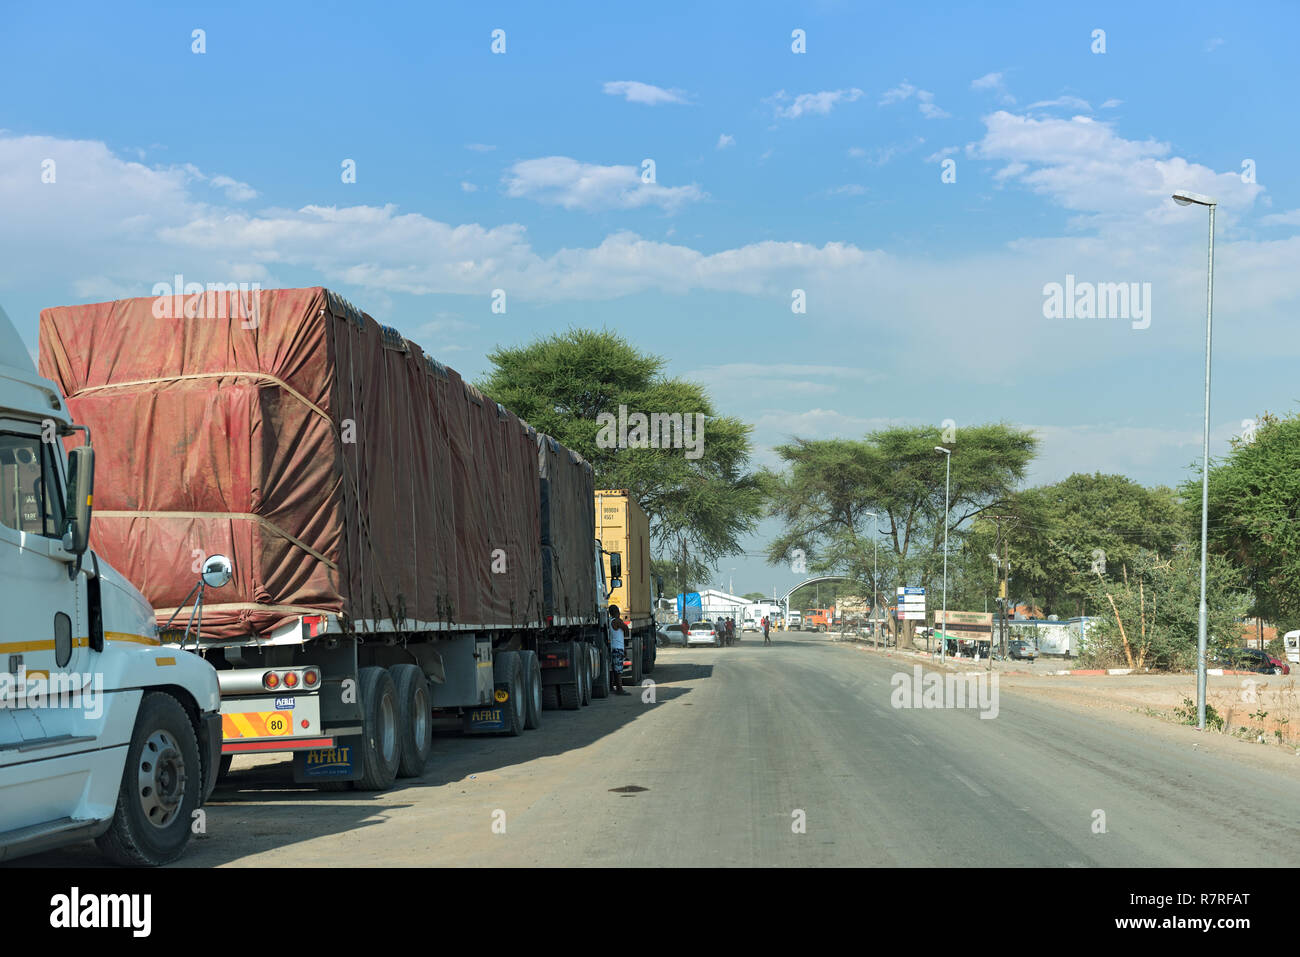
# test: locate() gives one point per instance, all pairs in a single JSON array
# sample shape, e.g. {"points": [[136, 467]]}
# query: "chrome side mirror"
{"points": [[217, 571]]}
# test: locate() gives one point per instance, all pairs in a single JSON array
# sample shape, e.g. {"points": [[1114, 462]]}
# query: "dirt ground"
{"points": [[1251, 706]]}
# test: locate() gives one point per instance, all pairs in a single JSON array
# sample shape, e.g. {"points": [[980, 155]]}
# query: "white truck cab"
{"points": [[104, 733]]}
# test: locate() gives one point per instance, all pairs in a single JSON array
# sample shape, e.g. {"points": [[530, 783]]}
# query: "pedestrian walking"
{"points": [[767, 625]]}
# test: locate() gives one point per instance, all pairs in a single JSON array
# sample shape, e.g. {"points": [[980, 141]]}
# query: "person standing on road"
{"points": [[617, 645], [766, 629]]}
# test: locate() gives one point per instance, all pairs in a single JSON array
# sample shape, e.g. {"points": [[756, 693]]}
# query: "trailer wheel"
{"points": [[636, 661], [414, 720], [507, 670], [380, 750], [160, 787], [532, 689], [600, 687]]}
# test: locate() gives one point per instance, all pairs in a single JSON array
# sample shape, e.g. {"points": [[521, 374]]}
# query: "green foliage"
{"points": [[1158, 600], [1254, 515], [824, 498], [1187, 715], [1062, 535], [699, 508]]}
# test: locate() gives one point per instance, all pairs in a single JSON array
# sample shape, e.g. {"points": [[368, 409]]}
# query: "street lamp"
{"points": [[943, 642], [1185, 198], [875, 574]]}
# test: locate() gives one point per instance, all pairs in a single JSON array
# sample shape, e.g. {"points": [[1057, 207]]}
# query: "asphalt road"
{"points": [[742, 743]]}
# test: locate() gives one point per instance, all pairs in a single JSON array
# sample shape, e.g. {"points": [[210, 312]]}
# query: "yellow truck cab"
{"points": [[104, 733]]}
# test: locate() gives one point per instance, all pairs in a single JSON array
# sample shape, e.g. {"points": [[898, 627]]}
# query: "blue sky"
{"points": [[774, 171]]}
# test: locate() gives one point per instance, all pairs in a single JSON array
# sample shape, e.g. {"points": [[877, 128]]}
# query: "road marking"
{"points": [[967, 781]]}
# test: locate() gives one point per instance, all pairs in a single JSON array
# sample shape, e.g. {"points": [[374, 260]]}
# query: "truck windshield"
{"points": [[29, 486]]}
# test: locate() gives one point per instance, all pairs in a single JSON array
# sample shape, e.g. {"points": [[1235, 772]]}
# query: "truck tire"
{"points": [[414, 720], [508, 670], [224, 767], [636, 662], [585, 673], [380, 751], [600, 687], [161, 784], [650, 651], [532, 690]]}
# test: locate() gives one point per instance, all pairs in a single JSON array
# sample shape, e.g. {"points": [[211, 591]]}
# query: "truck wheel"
{"points": [[587, 679], [636, 662], [414, 720], [600, 687], [650, 652], [507, 669], [380, 751], [224, 767], [532, 689], [160, 787]]}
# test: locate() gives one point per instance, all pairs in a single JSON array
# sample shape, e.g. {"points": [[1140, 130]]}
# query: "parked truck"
{"points": [[104, 734], [403, 547], [624, 529]]}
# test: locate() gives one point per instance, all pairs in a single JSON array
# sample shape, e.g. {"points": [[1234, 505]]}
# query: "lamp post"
{"points": [[947, 475], [875, 573], [1185, 198]]}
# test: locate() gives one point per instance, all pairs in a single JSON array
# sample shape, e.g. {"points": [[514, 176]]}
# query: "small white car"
{"points": [[704, 633]]}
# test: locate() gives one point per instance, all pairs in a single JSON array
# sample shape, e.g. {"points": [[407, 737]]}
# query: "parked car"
{"points": [[704, 633], [673, 634], [1250, 659], [750, 624], [1021, 649]]}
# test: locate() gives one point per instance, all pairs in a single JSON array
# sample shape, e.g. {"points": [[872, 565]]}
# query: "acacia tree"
{"points": [[824, 497], [701, 498]]}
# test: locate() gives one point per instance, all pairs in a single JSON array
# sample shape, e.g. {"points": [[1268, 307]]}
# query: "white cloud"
{"points": [[235, 191], [636, 92], [563, 181], [809, 103], [1213, 44], [468, 187], [1065, 102], [1111, 104], [924, 100], [1291, 218], [725, 140], [989, 81], [124, 226], [880, 155]]}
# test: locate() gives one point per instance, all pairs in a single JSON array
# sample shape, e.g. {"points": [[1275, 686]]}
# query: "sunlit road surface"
{"points": [[788, 755]]}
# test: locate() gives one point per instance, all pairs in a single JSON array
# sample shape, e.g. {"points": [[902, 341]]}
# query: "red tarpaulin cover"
{"points": [[336, 466]]}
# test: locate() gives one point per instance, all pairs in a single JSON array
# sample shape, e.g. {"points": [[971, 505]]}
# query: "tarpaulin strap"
{"points": [[211, 375], [245, 606], [247, 516]]}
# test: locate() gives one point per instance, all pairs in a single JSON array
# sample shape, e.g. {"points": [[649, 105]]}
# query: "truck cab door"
{"points": [[43, 635]]}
